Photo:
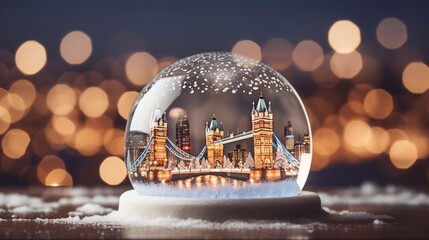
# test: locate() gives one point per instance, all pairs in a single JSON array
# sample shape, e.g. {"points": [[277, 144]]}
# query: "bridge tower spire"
{"points": [[158, 130], [214, 131], [262, 128]]}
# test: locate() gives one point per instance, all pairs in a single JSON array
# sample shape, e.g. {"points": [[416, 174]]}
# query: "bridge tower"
{"points": [[262, 128], [214, 132], [158, 150]]}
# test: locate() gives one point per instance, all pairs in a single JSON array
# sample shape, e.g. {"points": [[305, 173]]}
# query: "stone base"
{"points": [[305, 204]]}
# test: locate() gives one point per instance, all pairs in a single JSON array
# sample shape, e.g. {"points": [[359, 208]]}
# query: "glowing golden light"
{"points": [[88, 141], [392, 33], [125, 103], [357, 133], [415, 77], [403, 154], [5, 120], [61, 99], [326, 141], [113, 171], [344, 36], [93, 102], [379, 140], [25, 90], [15, 143], [48, 164], [346, 65], [323, 75], [30, 57], [248, 48], [140, 68], [14, 105], [308, 55], [319, 162], [63, 125], [76, 47], [378, 103], [277, 53], [59, 177], [114, 141]]}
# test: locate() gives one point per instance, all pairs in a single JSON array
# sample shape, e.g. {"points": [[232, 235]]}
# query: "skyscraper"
{"points": [[183, 136], [238, 156], [307, 143], [290, 138]]}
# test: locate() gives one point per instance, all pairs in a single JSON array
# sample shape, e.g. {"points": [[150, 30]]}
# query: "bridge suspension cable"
{"points": [[289, 156], [142, 156]]}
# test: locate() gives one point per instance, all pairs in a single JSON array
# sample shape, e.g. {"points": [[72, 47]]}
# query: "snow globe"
{"points": [[214, 135]]}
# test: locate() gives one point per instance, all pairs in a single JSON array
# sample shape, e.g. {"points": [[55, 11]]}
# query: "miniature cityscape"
{"points": [[155, 158]]}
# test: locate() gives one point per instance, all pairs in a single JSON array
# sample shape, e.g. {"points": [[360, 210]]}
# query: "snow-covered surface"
{"points": [[371, 194], [267, 190], [91, 209]]}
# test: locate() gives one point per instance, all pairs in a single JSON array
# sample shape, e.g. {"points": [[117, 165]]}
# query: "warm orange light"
{"points": [[47, 165], [5, 120], [30, 57], [59, 177], [379, 140], [357, 133], [403, 154], [277, 53], [76, 47], [346, 65], [125, 103], [378, 103], [25, 90], [140, 68], [114, 141], [344, 36], [88, 141], [63, 125], [392, 33], [248, 48], [308, 55], [93, 102], [61, 99], [416, 77], [15, 143], [326, 141], [113, 171]]}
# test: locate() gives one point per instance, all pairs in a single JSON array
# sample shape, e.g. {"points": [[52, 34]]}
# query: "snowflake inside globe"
{"points": [[218, 125]]}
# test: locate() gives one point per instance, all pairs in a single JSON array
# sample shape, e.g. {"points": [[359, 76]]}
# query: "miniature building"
{"points": [[262, 128], [158, 130], [214, 132], [238, 156], [290, 138], [307, 143], [299, 150], [183, 138]]}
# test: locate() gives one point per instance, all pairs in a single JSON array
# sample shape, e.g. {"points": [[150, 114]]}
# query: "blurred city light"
{"points": [[30, 57], [308, 55], [344, 36], [113, 171], [76, 47], [392, 33]]}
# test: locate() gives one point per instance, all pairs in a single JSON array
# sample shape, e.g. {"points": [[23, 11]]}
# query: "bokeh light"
{"points": [[76, 47], [379, 141], [88, 141], [326, 141], [114, 141], [15, 143], [346, 65], [378, 103], [140, 68], [416, 77], [113, 171], [59, 177], [61, 99], [357, 133], [392, 33], [403, 154], [308, 55], [125, 103], [25, 90], [277, 53], [63, 125], [47, 165], [30, 57], [93, 102], [344, 36], [248, 48]]}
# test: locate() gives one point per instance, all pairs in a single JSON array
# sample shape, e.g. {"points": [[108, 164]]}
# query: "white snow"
{"points": [[372, 194], [378, 222], [91, 209]]}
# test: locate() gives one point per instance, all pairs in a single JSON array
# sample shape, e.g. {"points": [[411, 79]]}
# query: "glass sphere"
{"points": [[218, 125]]}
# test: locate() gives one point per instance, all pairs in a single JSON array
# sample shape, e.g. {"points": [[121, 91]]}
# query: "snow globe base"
{"points": [[220, 209]]}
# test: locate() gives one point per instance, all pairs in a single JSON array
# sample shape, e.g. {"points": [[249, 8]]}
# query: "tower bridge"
{"points": [[265, 140]]}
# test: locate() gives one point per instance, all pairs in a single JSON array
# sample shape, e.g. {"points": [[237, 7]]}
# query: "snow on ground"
{"points": [[371, 194], [91, 209]]}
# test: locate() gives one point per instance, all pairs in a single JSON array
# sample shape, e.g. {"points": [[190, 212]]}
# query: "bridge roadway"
{"points": [[235, 137], [239, 174]]}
